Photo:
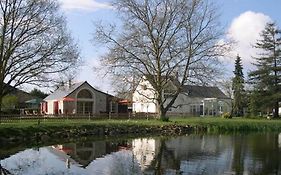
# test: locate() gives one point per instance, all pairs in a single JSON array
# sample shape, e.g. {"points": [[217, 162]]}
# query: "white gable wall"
{"points": [[99, 100], [140, 101]]}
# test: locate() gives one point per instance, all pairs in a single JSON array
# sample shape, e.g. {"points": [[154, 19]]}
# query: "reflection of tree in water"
{"points": [[239, 154], [197, 154], [263, 155], [165, 159], [189, 154]]}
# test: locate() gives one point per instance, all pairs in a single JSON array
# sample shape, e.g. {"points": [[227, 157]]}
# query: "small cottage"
{"points": [[80, 98]]}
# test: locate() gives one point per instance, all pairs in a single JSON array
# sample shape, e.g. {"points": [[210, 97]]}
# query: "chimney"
{"points": [[69, 83]]}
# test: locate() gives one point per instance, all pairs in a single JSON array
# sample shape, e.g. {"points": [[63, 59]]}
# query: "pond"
{"points": [[190, 154]]}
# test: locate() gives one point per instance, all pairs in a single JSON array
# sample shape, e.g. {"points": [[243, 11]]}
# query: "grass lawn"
{"points": [[234, 124], [211, 123]]}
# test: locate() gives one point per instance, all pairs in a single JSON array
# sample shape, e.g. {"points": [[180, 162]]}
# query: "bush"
{"points": [[10, 111], [226, 115]]}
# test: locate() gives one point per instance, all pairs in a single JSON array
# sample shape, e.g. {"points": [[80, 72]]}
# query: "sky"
{"points": [[243, 20]]}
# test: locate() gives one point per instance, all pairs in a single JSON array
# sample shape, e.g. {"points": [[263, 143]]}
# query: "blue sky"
{"points": [[243, 20]]}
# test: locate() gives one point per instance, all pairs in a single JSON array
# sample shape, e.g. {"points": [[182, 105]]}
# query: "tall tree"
{"points": [[34, 43], [161, 39], [37, 93], [238, 88], [267, 76]]}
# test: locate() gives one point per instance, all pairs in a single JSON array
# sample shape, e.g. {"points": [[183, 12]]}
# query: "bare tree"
{"points": [[34, 43], [124, 86], [226, 86], [164, 40]]}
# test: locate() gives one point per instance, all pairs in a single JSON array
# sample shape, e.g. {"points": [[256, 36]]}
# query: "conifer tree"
{"points": [[238, 88], [267, 77]]}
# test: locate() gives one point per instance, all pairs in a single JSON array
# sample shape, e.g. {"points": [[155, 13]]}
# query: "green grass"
{"points": [[212, 124], [234, 124]]}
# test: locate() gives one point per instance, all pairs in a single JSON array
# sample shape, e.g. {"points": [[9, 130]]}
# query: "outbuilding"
{"points": [[79, 98]]}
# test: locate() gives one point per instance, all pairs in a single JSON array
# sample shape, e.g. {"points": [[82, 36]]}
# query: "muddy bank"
{"points": [[45, 133]]}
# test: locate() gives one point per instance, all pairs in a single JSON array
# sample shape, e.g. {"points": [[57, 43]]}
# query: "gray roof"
{"points": [[204, 91], [63, 91]]}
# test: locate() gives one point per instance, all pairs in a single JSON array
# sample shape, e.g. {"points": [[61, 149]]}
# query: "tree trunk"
{"points": [[163, 116], [276, 110], [1, 97], [162, 113]]}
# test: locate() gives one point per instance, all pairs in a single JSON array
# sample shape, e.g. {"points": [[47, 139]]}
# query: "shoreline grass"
{"points": [[211, 123], [29, 128], [238, 124]]}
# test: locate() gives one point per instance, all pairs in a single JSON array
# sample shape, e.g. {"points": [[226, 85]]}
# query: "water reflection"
{"points": [[193, 154]]}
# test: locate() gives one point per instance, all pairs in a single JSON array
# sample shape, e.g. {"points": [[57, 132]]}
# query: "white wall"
{"points": [[140, 101], [181, 105], [99, 100], [50, 104]]}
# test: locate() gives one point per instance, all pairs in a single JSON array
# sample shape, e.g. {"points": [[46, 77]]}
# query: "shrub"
{"points": [[226, 115]]}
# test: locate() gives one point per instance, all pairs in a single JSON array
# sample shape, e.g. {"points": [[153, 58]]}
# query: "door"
{"points": [[56, 107]]}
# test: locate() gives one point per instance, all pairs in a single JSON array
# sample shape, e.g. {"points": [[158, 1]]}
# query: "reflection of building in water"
{"points": [[144, 151], [84, 153], [58, 151]]}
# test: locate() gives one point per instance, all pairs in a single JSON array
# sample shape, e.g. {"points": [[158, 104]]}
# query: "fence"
{"points": [[15, 118]]}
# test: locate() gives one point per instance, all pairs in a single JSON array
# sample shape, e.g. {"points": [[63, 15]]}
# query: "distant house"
{"points": [[80, 98], [192, 101]]}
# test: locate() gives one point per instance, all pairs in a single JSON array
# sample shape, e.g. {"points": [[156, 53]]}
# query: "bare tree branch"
{"points": [[164, 41], [34, 43]]}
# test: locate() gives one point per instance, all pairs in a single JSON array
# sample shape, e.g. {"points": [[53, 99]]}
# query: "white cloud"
{"points": [[84, 5], [245, 30]]}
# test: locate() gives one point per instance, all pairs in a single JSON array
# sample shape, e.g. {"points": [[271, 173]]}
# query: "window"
{"points": [[195, 109], [80, 107], [88, 108], [84, 93], [84, 107]]}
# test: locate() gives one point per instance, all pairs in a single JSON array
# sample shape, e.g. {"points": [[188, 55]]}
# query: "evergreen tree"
{"points": [[37, 93], [267, 77], [255, 103], [238, 88]]}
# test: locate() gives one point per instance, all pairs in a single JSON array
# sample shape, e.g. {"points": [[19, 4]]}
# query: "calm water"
{"points": [[192, 154]]}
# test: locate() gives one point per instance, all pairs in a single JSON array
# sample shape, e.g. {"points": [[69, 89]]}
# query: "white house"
{"points": [[193, 100], [80, 98]]}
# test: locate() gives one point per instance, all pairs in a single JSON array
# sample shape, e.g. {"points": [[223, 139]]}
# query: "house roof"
{"points": [[64, 91], [196, 90], [204, 91]]}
